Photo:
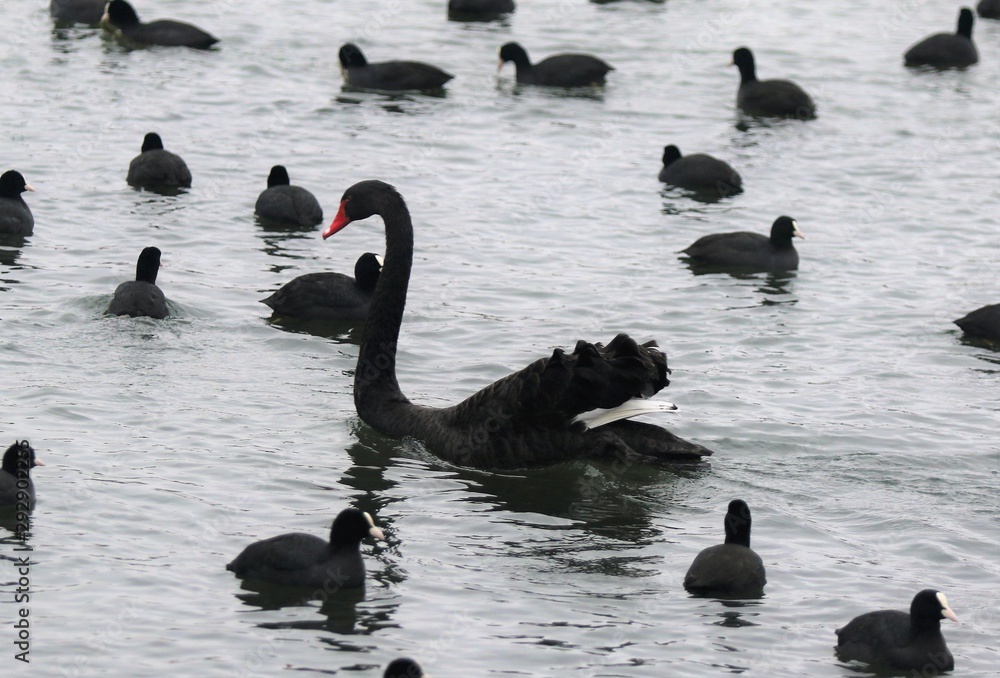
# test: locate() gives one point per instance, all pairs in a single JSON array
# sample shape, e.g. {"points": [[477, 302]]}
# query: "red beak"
{"points": [[339, 221]]}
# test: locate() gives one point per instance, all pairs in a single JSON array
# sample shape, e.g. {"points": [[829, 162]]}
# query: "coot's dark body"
{"points": [[389, 75], [769, 98], [329, 296], [745, 250], [15, 215], [158, 169], [87, 12], [946, 50], [120, 18], [731, 568], [901, 641], [17, 489], [478, 10], [141, 297], [282, 203], [298, 559], [983, 322], [559, 70], [699, 172]]}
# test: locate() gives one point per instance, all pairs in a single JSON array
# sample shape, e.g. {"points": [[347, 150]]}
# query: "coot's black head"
{"points": [[152, 142], [351, 526], [367, 270], [12, 184], [403, 668], [512, 51], [148, 265], [671, 153], [743, 58], [928, 608], [783, 230], [737, 523], [120, 14], [278, 177], [362, 200], [20, 457], [351, 56], [965, 20]]}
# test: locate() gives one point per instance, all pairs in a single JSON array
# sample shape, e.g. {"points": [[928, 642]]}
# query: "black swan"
{"points": [[141, 297], [389, 75], [555, 409], [479, 10], [777, 98], [983, 322], [988, 9], [15, 215], [946, 50], [558, 70], [403, 668], [283, 203], [16, 486], [750, 251], [699, 172], [731, 568], [119, 17], [899, 640], [156, 168], [87, 12], [299, 559], [329, 296]]}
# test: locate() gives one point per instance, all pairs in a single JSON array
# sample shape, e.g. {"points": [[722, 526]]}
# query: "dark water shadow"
{"points": [[273, 226], [17, 525], [981, 342], [614, 2], [165, 191], [610, 498], [708, 196], [340, 331], [389, 97], [513, 88]]}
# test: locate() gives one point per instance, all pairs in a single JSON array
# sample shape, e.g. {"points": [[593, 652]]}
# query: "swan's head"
{"points": [[361, 201]]}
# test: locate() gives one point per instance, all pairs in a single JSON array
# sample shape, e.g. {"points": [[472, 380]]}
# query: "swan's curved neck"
{"points": [[376, 391]]}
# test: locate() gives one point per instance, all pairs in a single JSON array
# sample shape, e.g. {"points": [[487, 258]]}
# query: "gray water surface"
{"points": [[842, 404]]}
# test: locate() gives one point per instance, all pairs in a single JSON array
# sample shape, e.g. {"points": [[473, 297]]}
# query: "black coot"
{"points": [[403, 668], [750, 251], [988, 9], [389, 75], [15, 215], [479, 10], [731, 568], [16, 487], [983, 322], [559, 70], [298, 559], [77, 11], [141, 297], [946, 50], [158, 169], [899, 640], [329, 296], [120, 18], [776, 98], [283, 203], [699, 172]]}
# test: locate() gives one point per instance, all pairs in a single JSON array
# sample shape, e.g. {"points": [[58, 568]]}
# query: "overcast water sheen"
{"points": [[841, 402]]}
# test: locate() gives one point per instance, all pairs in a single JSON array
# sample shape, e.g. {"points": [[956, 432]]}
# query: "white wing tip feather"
{"points": [[627, 410]]}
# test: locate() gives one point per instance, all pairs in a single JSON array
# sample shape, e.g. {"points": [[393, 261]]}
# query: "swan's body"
{"points": [[983, 322], [524, 419], [156, 168], [15, 215]]}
